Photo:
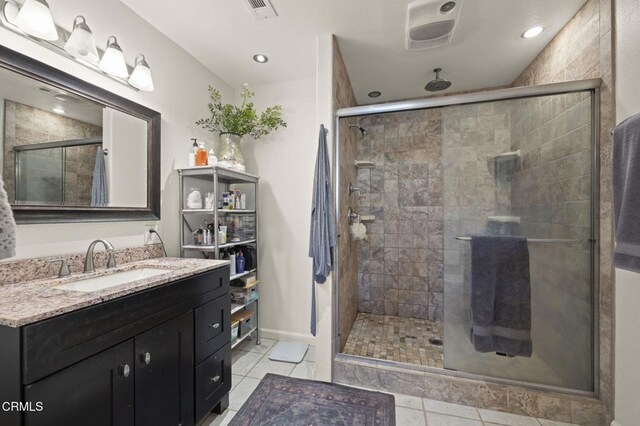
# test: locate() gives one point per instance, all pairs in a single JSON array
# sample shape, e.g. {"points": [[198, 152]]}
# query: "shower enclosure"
{"points": [[508, 162]]}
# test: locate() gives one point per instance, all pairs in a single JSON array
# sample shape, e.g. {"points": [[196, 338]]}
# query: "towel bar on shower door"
{"points": [[534, 240]]}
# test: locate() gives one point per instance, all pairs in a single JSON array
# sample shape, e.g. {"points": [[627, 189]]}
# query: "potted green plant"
{"points": [[233, 122]]}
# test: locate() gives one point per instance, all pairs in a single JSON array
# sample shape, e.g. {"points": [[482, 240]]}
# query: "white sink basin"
{"points": [[111, 280]]}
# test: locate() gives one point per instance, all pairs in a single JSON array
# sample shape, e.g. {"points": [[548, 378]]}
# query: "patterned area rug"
{"points": [[280, 400]]}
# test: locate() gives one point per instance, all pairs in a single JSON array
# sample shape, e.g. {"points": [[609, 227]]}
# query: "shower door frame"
{"points": [[590, 85]]}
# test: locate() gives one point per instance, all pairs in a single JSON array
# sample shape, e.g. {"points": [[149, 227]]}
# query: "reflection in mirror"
{"points": [[60, 149]]}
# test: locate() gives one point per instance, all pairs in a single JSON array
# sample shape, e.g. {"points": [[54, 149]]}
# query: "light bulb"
{"points": [[112, 61], [81, 44], [141, 75], [35, 19]]}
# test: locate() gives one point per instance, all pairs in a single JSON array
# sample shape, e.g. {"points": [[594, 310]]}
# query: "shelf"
{"points": [[213, 248], [244, 274], [210, 211], [237, 307], [239, 243], [237, 211], [224, 174], [242, 315], [241, 338]]}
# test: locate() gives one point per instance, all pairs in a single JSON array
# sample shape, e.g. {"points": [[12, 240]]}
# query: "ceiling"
{"points": [[486, 50], [27, 91]]}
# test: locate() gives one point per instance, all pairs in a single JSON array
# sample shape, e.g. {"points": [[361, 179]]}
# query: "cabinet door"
{"points": [[164, 374], [97, 391]]}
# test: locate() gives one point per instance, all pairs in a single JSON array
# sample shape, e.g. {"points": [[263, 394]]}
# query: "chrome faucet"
{"points": [[89, 265]]}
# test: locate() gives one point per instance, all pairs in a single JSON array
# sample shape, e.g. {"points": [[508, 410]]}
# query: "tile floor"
{"points": [[396, 339], [251, 363]]}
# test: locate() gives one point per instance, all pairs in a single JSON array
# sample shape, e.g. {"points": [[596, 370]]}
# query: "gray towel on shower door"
{"points": [[99, 190], [626, 194], [500, 295]]}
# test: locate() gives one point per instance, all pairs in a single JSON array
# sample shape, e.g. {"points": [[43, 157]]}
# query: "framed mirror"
{"points": [[74, 152]]}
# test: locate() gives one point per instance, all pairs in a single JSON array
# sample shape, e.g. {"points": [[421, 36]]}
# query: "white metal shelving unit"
{"points": [[216, 180]]}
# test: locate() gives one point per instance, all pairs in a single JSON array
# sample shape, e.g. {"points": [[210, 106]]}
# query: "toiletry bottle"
{"points": [[213, 160], [243, 201], [237, 200], [232, 262], [240, 263], [192, 153], [201, 156], [225, 200]]}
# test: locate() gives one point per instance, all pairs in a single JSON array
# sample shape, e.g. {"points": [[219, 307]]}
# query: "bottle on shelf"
{"points": [[201, 155], [213, 160], [232, 261], [237, 200], [240, 263]]}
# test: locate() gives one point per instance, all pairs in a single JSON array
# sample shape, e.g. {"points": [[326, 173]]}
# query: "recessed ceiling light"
{"points": [[260, 58], [533, 32], [375, 94], [67, 98], [448, 7], [59, 110]]}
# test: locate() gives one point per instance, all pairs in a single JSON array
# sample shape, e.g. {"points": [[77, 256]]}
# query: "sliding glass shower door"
{"points": [[524, 167]]}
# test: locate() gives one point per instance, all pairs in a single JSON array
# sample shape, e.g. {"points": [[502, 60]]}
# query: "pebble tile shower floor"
{"points": [[396, 339]]}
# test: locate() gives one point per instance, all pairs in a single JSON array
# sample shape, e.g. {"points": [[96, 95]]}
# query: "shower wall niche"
{"points": [[400, 267]]}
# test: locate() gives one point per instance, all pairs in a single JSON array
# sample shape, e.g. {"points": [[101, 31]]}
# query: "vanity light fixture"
{"points": [[141, 75], [112, 61], [260, 58], [81, 44], [59, 110], [35, 19], [533, 32]]}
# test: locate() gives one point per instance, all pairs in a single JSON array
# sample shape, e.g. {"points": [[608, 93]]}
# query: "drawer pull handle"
{"points": [[215, 379], [145, 358], [124, 370], [216, 325]]}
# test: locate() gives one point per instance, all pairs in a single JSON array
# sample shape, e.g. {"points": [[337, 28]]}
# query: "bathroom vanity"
{"points": [[152, 351]]}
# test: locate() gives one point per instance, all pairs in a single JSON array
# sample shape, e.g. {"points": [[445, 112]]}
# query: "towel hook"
{"points": [[105, 151]]}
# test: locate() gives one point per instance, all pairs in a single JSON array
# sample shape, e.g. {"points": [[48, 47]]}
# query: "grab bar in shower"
{"points": [[535, 240]]}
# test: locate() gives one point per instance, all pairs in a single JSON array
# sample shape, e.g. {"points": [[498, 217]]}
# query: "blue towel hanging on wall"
{"points": [[323, 229]]}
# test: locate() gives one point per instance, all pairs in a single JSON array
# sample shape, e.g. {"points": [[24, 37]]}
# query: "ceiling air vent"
{"points": [[431, 23], [261, 9]]}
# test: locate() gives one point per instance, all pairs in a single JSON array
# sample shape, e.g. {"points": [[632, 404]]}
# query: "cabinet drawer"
{"points": [[213, 381], [58, 342], [213, 327]]}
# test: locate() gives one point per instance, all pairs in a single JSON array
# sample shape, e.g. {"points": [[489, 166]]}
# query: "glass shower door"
{"points": [[523, 167], [40, 176]]}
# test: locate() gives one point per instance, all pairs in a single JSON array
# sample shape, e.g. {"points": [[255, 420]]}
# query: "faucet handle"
{"points": [[64, 266], [111, 261]]}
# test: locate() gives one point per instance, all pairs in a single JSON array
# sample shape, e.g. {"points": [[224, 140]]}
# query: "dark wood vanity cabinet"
{"points": [[158, 357]]}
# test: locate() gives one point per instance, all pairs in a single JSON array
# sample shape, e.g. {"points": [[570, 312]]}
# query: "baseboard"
{"points": [[287, 336]]}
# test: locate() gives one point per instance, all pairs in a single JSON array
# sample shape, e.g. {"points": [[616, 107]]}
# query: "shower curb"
{"points": [[549, 405]]}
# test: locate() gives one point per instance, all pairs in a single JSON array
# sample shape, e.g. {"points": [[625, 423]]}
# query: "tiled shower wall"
{"points": [[25, 125], [583, 49], [400, 267], [347, 248], [551, 193]]}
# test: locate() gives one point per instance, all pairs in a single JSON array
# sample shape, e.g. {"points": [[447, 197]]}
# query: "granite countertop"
{"points": [[28, 302]]}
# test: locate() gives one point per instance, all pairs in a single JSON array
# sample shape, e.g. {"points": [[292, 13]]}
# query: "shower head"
{"points": [[363, 131], [438, 84]]}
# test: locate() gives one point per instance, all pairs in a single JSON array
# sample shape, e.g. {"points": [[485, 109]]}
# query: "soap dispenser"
{"points": [[192, 153], [201, 155]]}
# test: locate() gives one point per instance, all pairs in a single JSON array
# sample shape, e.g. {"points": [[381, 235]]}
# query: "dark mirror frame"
{"points": [[24, 65]]}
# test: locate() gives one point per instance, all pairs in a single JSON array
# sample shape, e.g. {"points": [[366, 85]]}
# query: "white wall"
{"points": [[180, 96], [125, 138], [627, 347], [285, 163]]}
